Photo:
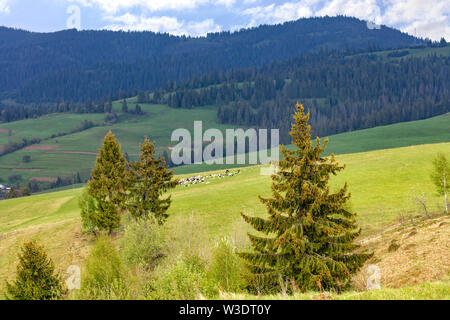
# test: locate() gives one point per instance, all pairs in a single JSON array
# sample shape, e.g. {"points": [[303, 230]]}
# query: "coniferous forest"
{"points": [[77, 66]]}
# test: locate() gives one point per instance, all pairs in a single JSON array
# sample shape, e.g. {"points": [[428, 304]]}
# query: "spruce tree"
{"points": [[149, 180], [108, 185], [309, 233], [36, 278]]}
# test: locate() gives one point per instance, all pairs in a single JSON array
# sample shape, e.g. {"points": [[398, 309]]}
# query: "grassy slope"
{"points": [[160, 122], [381, 183]]}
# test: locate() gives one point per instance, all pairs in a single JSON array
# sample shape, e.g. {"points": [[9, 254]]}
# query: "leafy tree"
{"points": [[138, 109], [441, 176], [149, 180], [310, 244], [108, 184], [36, 278]]}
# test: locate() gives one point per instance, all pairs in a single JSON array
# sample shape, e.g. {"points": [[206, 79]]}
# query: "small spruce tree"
{"points": [[441, 176], [36, 278], [149, 180], [108, 185], [309, 233]]}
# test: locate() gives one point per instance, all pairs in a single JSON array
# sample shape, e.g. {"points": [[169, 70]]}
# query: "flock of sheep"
{"points": [[202, 179]]}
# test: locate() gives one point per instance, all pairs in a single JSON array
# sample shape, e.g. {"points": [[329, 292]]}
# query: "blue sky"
{"points": [[424, 18]]}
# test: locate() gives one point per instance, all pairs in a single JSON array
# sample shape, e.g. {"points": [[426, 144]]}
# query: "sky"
{"points": [[422, 18]]}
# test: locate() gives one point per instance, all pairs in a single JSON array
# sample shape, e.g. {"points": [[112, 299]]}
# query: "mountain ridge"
{"points": [[108, 62]]}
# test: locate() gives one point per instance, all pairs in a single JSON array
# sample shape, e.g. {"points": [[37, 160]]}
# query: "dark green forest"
{"points": [[343, 93], [78, 66]]}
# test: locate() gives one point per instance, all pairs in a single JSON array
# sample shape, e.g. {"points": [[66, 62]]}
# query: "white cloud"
{"points": [[363, 9], [278, 13], [115, 6], [4, 6], [162, 24], [430, 18]]}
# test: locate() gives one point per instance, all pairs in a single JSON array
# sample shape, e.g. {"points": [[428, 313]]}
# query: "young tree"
{"points": [[36, 278], [88, 207], [124, 106], [441, 176], [108, 185], [310, 233], [149, 180]]}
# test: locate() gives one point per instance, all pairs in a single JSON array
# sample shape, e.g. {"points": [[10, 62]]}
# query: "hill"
{"points": [[383, 184], [44, 67], [62, 153]]}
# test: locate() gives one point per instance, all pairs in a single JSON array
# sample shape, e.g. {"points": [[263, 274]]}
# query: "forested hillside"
{"points": [[77, 66], [343, 93]]}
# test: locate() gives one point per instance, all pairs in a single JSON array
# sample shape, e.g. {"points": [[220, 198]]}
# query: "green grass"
{"points": [[382, 184], [438, 290], [433, 130], [44, 127], [413, 53], [159, 123]]}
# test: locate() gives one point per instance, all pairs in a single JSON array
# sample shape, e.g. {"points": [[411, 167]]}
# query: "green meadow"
{"points": [[65, 156], [382, 183]]}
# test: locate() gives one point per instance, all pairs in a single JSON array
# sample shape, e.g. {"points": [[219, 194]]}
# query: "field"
{"points": [[383, 186], [65, 156]]}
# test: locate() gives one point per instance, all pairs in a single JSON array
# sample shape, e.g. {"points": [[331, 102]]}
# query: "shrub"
{"points": [[143, 243], [26, 159], [88, 207], [35, 279], [104, 277], [179, 281], [226, 269]]}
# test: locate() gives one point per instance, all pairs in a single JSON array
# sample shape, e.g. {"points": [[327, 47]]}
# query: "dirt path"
{"points": [[40, 148]]}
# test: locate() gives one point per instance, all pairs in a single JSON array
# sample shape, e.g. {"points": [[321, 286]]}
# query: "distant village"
{"points": [[4, 191]]}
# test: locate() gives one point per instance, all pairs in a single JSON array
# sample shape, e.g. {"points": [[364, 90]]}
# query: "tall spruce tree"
{"points": [[309, 243], [149, 180], [36, 278], [108, 185]]}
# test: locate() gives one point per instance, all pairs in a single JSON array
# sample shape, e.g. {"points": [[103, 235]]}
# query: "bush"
{"points": [[26, 159], [179, 281], [35, 276], [226, 269], [104, 277], [143, 243], [87, 206]]}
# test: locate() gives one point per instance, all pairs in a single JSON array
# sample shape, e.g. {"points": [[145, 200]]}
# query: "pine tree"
{"points": [[36, 278], [441, 176], [149, 180], [108, 184], [310, 233]]}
